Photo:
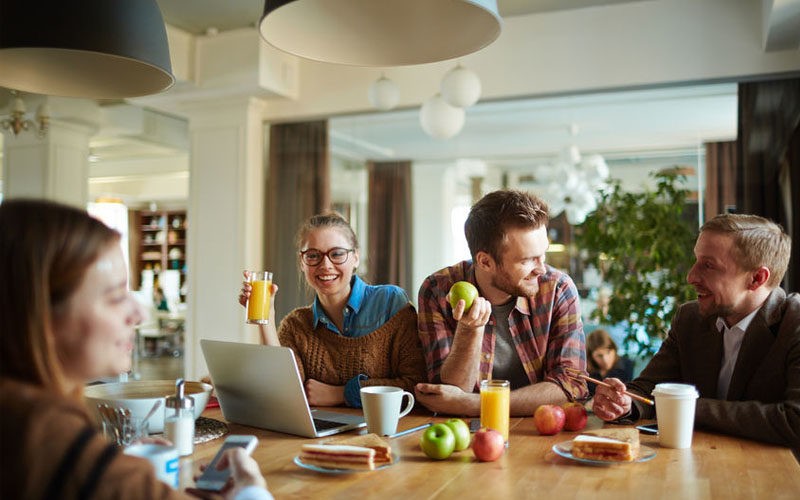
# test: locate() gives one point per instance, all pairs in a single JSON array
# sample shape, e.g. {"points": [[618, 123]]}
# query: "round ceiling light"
{"points": [[92, 48], [461, 87], [384, 94], [439, 119], [380, 32]]}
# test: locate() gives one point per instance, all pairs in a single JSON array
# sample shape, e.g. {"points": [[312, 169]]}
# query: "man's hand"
{"points": [[611, 403], [448, 399], [321, 394], [476, 317]]}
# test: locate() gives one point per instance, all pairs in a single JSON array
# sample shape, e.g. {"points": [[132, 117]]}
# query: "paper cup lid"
{"points": [[676, 391]]}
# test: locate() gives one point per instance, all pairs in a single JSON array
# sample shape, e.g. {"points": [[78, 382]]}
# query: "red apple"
{"points": [[488, 445], [575, 416], [549, 419]]}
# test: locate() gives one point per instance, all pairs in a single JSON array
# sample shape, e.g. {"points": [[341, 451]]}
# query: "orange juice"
{"points": [[496, 405], [258, 303]]}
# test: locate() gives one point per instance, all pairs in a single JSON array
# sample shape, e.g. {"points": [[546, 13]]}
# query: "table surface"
{"points": [[716, 466]]}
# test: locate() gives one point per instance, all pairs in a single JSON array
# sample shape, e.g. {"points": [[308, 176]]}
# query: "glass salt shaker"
{"points": [[179, 419]]}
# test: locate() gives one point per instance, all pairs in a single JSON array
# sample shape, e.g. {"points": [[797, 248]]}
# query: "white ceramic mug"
{"points": [[675, 404], [382, 408], [165, 461]]}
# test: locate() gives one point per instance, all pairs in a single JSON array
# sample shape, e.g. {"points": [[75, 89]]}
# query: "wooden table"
{"points": [[716, 466]]}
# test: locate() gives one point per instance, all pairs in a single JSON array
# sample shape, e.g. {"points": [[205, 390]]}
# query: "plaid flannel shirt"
{"points": [[546, 329]]}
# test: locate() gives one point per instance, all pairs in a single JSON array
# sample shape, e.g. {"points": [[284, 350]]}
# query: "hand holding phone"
{"points": [[213, 479]]}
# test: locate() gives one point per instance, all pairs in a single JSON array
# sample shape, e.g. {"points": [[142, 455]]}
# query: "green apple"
{"points": [[438, 441], [463, 290], [461, 432]]}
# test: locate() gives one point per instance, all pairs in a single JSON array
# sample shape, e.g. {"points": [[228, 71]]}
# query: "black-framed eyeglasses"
{"points": [[337, 255]]}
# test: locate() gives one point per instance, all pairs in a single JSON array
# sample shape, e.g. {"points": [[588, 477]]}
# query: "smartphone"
{"points": [[474, 425], [648, 428], [213, 479]]}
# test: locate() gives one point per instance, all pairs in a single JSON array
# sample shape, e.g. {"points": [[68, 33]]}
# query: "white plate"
{"points": [[565, 450], [326, 470]]}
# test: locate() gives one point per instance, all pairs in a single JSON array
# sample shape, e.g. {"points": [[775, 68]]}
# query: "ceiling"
{"points": [[512, 134], [197, 16]]}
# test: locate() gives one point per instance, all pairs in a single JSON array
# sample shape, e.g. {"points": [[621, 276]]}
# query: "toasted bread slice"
{"points": [[616, 445], [383, 452], [338, 456]]}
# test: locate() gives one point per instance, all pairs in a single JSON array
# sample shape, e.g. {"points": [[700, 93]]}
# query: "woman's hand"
{"points": [[321, 394], [244, 293], [244, 472]]}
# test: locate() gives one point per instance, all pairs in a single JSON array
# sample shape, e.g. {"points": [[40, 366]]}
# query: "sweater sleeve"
{"points": [[407, 363]]}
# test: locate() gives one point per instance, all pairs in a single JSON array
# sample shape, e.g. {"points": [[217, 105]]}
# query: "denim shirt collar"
{"points": [[357, 288]]}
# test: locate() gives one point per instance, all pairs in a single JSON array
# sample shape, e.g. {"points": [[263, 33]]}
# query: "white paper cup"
{"points": [[675, 404], [381, 405], [165, 461]]}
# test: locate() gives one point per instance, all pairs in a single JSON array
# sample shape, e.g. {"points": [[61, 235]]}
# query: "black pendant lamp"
{"points": [[380, 32], [102, 49]]}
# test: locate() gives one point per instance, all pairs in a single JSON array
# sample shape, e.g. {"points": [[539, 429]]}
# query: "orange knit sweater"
{"points": [[390, 355]]}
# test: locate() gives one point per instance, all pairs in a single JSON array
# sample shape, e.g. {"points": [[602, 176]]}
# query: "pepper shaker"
{"points": [[179, 420]]}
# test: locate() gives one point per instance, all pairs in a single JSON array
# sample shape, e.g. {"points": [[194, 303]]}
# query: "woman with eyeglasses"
{"points": [[353, 334]]}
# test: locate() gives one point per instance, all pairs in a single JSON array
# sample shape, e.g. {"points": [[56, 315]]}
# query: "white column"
{"points": [[226, 220], [55, 166]]}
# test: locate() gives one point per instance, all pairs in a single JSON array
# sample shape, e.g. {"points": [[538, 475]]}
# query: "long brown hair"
{"points": [[598, 339], [45, 251]]}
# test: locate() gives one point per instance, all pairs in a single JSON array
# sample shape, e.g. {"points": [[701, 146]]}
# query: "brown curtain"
{"points": [[722, 163], [389, 228], [769, 117], [298, 186]]}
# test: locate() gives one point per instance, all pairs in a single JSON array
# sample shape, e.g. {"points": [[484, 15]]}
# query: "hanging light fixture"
{"points": [[16, 121], [461, 87], [91, 48], [383, 94], [380, 32], [439, 119]]}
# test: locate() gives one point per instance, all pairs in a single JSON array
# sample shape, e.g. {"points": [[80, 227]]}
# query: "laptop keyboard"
{"points": [[322, 425]]}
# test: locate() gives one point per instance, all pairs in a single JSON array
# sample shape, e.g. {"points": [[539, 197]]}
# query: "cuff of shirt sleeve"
{"points": [[352, 391], [253, 493]]}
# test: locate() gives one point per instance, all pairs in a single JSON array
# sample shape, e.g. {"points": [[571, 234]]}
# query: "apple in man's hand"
{"points": [[461, 432], [488, 445], [575, 416], [438, 441], [549, 419], [463, 290]]}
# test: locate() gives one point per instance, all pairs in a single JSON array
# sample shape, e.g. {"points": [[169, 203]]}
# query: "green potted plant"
{"points": [[643, 247]]}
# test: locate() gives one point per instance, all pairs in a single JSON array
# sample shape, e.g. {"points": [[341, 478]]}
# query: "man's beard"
{"points": [[501, 282]]}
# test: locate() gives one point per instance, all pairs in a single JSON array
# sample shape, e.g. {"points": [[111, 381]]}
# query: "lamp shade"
{"points": [[91, 48], [380, 32], [461, 87], [439, 119], [384, 94]]}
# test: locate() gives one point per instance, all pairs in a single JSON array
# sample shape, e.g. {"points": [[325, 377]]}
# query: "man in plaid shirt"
{"points": [[524, 327]]}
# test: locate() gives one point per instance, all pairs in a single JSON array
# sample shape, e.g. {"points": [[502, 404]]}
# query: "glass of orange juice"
{"points": [[496, 405], [258, 303]]}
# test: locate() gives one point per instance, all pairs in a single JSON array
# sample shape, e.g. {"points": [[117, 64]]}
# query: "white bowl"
{"points": [[139, 396]]}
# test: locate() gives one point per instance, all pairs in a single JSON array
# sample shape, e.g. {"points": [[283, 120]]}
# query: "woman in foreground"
{"points": [[67, 317]]}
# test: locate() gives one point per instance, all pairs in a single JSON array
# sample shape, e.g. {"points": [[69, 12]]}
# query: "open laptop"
{"points": [[260, 386]]}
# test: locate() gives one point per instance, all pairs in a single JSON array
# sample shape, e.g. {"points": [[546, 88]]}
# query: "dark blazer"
{"points": [[763, 400]]}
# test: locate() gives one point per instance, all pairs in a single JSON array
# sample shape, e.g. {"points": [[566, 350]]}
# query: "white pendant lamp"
{"points": [[461, 87], [384, 94], [380, 32], [91, 48], [439, 119]]}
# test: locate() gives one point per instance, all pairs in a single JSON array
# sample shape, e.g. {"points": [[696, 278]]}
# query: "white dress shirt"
{"points": [[732, 340]]}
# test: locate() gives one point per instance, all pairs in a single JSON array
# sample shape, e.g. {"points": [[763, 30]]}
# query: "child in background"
{"points": [[603, 359]]}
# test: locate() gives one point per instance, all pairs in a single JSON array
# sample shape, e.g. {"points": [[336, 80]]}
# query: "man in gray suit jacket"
{"points": [[738, 343]]}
